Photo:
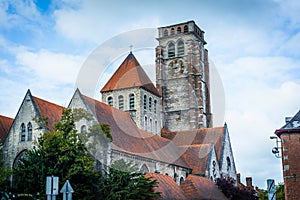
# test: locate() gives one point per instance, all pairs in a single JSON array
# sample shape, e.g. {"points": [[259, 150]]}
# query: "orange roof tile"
{"points": [[130, 74], [199, 136], [51, 111], [197, 187], [5, 124], [127, 137], [167, 187], [196, 156]]}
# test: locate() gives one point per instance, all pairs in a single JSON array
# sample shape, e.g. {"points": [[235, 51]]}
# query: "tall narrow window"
{"points": [[145, 123], [110, 101], [131, 102], [23, 132], [228, 163], [179, 29], [165, 33], [145, 102], [155, 126], [180, 48], [121, 102], [171, 50], [83, 129], [155, 106], [172, 31], [29, 131], [150, 104], [185, 29], [150, 124]]}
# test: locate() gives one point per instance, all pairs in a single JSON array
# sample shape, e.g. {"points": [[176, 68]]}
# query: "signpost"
{"points": [[271, 189], [67, 191], [51, 187]]}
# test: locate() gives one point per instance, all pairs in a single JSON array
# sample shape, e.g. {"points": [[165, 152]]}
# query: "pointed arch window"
{"points": [[155, 106], [150, 124], [29, 131], [150, 104], [180, 48], [145, 123], [185, 29], [23, 132], [110, 101], [228, 163], [179, 29], [121, 102], [145, 102], [131, 102], [171, 50]]}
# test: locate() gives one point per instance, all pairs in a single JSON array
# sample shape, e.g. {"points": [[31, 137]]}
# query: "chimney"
{"points": [[249, 182], [238, 178]]}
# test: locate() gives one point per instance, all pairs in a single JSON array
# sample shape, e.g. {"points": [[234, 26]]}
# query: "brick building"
{"points": [[289, 136]]}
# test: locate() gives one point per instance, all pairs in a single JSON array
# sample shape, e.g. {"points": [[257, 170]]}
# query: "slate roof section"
{"points": [[130, 74], [167, 187], [5, 124], [197, 187], [52, 112], [127, 137], [293, 126], [199, 136]]}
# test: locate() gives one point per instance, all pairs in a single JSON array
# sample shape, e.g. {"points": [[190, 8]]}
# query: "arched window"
{"points": [[131, 102], [155, 106], [150, 104], [228, 163], [83, 129], [179, 29], [150, 124], [144, 169], [172, 31], [121, 102], [166, 33], [155, 126], [181, 180], [180, 48], [185, 29], [23, 132], [145, 123], [171, 50], [145, 102], [29, 131], [110, 101]]}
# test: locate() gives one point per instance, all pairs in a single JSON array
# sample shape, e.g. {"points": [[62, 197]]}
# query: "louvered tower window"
{"points": [[171, 50], [121, 102], [131, 102], [110, 101], [180, 48]]}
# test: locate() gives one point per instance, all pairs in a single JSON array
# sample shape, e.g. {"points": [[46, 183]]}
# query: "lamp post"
{"points": [[276, 150]]}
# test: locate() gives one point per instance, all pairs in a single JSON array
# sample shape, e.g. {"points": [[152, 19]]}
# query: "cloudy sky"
{"points": [[253, 46]]}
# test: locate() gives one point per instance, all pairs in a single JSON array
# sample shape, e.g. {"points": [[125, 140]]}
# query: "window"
{"points": [[121, 102], [180, 48], [228, 163], [144, 169], [110, 101], [185, 29], [214, 169], [155, 106], [150, 104], [181, 180], [83, 129], [172, 31], [29, 130], [131, 101], [166, 33], [155, 126], [150, 124], [145, 123], [145, 102], [23, 132], [179, 30], [171, 50]]}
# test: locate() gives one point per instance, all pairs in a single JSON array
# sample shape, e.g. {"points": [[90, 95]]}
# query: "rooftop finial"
{"points": [[131, 46]]}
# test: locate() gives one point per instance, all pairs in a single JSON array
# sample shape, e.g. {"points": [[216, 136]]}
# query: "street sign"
{"points": [[67, 191], [51, 187], [271, 189]]}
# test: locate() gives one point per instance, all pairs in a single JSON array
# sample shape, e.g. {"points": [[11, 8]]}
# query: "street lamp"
{"points": [[276, 150]]}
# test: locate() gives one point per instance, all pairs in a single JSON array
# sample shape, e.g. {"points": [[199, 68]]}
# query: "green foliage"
{"points": [[280, 191], [4, 173], [59, 153], [125, 182], [263, 195]]}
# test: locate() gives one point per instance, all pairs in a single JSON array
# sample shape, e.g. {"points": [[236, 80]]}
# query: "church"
{"points": [[165, 129]]}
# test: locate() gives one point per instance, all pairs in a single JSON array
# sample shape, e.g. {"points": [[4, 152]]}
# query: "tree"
{"points": [[4, 172], [124, 181], [227, 186], [280, 191], [60, 153]]}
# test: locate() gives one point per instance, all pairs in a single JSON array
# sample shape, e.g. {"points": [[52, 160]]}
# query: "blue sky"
{"points": [[254, 46]]}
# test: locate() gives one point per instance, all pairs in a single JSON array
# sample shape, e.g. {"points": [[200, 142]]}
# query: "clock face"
{"points": [[176, 66]]}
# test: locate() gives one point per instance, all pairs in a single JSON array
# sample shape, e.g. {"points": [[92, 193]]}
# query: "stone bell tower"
{"points": [[182, 77]]}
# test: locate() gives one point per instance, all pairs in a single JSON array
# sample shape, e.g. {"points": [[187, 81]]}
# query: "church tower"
{"points": [[182, 77]]}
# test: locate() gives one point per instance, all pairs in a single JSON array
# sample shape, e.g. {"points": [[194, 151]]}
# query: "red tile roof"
{"points": [[167, 187], [130, 74], [127, 137], [5, 124], [52, 112], [197, 187], [199, 136], [196, 156]]}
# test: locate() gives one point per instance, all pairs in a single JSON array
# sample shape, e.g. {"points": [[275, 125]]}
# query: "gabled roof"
{"points": [[167, 187], [197, 187], [5, 124], [197, 156], [293, 126], [52, 112], [199, 136], [130, 74], [127, 137]]}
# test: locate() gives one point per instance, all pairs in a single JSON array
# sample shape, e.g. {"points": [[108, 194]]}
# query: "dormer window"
{"points": [[23, 132]]}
